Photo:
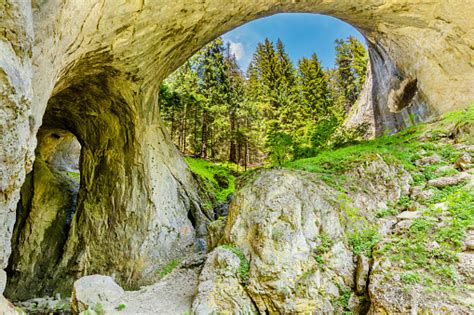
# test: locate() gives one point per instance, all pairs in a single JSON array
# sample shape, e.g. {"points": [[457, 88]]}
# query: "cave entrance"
{"points": [[136, 195], [44, 214]]}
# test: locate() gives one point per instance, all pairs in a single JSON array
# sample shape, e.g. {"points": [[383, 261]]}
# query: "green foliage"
{"points": [[325, 244], [120, 307], [244, 263], [279, 145], [322, 131], [363, 240], [218, 179], [386, 212], [351, 62], [414, 249], [74, 174], [343, 301], [410, 277], [168, 268], [275, 112], [99, 309]]}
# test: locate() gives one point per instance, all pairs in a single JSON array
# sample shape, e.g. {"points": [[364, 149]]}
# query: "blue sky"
{"points": [[301, 33]]}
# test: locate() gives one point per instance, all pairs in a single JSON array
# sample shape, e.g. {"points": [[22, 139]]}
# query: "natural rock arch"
{"points": [[97, 67]]}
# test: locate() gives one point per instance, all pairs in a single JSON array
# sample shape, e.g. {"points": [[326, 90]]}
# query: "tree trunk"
{"points": [[185, 127], [203, 153], [233, 145]]}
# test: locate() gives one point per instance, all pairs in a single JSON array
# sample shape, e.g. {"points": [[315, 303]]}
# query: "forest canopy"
{"points": [[274, 111]]}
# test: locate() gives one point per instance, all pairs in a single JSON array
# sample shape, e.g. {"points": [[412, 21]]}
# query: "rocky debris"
{"points": [[449, 180], [441, 205], [415, 206], [220, 286], [408, 215], [468, 244], [432, 246], [378, 181], [445, 168], [362, 274], [90, 291], [46, 305], [385, 225], [464, 147], [463, 162], [420, 193], [466, 266], [428, 160], [402, 226], [389, 296]]}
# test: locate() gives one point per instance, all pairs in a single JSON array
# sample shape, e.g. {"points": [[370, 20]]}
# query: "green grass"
{"points": [[218, 179], [434, 264], [343, 301], [168, 268], [120, 307], [244, 263], [363, 240], [325, 244], [403, 148], [410, 277], [411, 251]]}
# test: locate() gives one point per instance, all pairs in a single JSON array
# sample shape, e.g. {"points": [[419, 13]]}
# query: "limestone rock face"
{"points": [[95, 69], [89, 291], [220, 287], [292, 227], [44, 215], [17, 139], [6, 308], [285, 213]]}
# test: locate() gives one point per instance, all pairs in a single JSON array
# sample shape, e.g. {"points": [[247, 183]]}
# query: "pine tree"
{"points": [[213, 84], [234, 99], [314, 87], [351, 64], [213, 110]]}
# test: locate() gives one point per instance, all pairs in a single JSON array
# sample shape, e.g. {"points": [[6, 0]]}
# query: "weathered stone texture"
{"points": [[292, 228], [16, 143]]}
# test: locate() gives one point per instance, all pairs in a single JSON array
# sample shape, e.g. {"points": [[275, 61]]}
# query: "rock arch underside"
{"points": [[90, 70]]}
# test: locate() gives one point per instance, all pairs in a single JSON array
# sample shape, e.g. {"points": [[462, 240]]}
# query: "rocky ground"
{"points": [[381, 227]]}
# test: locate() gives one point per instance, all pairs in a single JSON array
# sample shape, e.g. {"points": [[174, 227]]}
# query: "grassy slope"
{"points": [[412, 252], [218, 179]]}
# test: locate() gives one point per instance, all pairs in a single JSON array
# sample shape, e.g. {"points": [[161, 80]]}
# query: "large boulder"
{"points": [[91, 292], [7, 308], [221, 288], [288, 227], [173, 294], [293, 229]]}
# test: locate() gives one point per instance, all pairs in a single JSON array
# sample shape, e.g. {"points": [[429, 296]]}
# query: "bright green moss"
{"points": [[218, 179]]}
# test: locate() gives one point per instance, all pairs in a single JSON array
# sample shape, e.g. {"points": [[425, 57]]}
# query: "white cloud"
{"points": [[237, 49]]}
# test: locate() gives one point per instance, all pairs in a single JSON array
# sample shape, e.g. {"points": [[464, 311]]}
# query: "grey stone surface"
{"points": [[91, 290]]}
